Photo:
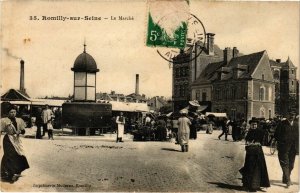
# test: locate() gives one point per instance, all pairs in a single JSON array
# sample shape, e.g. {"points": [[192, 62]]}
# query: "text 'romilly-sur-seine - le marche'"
{"points": [[80, 18]]}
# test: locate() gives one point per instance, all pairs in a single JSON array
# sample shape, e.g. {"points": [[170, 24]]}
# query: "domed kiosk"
{"points": [[83, 114], [85, 69]]}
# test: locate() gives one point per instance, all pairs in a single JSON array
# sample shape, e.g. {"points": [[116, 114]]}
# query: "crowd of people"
{"points": [[286, 133], [256, 133], [45, 120], [182, 127]]}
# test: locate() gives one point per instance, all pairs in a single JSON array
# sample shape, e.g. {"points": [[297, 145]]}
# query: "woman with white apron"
{"points": [[120, 120]]}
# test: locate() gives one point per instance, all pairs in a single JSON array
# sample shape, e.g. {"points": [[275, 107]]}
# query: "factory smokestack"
{"points": [[22, 87], [137, 84]]}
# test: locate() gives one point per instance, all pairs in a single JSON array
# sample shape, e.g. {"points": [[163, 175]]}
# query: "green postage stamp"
{"points": [[167, 23]]}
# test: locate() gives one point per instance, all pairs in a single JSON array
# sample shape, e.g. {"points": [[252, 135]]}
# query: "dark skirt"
{"points": [[193, 132], [254, 172], [12, 163]]}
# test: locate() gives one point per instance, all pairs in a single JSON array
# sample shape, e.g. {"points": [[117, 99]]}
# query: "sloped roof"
{"points": [[217, 50], [161, 101], [208, 72], [289, 63], [15, 95], [136, 96], [186, 55], [274, 63], [251, 60]]}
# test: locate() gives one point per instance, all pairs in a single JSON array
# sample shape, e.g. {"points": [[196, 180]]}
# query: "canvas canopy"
{"points": [[39, 102], [215, 114], [129, 107]]}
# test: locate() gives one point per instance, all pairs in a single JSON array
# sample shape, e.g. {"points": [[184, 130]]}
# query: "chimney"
{"points": [[278, 60], [227, 55], [235, 52], [22, 84], [210, 43], [137, 82]]}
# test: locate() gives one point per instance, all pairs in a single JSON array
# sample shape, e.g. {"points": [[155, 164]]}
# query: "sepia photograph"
{"points": [[149, 96]]}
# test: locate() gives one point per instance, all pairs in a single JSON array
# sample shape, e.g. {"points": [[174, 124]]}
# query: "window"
{"points": [[204, 96], [292, 71], [187, 71], [270, 94], [263, 77], [270, 114], [227, 93], [182, 72], [292, 82], [198, 95], [215, 94], [185, 89], [182, 90], [177, 72], [177, 90], [221, 94], [276, 75], [262, 112], [233, 114], [261, 93], [233, 93]]}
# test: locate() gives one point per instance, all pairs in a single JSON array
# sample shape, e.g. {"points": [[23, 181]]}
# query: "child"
{"points": [[50, 129]]}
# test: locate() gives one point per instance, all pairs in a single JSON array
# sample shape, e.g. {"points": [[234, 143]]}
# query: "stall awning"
{"points": [[215, 114], [50, 102], [39, 102], [129, 107]]}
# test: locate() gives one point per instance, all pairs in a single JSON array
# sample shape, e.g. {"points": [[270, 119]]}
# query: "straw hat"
{"points": [[194, 103], [184, 111]]}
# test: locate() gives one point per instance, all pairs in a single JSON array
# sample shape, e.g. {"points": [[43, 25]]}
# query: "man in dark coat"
{"points": [[193, 132], [287, 137], [224, 129]]}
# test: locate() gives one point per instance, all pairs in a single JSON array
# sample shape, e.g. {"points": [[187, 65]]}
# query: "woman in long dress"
{"points": [[13, 161], [120, 120], [254, 172], [184, 130]]}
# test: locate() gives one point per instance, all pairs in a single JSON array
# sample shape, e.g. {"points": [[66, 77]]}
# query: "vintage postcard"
{"points": [[149, 96]]}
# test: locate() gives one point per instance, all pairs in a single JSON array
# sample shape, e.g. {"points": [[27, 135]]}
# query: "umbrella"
{"points": [[194, 103], [169, 114]]}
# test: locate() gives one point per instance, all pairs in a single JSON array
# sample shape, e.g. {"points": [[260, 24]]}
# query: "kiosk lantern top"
{"points": [[85, 63]]}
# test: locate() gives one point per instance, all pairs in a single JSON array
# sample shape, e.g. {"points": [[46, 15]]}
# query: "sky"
{"points": [[49, 48]]}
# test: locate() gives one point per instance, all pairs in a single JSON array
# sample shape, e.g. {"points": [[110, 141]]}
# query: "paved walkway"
{"points": [[97, 163]]}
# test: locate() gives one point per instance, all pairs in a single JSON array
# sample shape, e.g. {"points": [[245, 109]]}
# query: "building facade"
{"points": [[286, 87], [187, 67], [241, 85]]}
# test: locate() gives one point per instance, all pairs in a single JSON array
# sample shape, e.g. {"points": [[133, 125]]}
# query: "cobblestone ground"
{"points": [[99, 164]]}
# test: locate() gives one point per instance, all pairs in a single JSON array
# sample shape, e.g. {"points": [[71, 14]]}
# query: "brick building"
{"points": [[185, 72], [240, 85]]}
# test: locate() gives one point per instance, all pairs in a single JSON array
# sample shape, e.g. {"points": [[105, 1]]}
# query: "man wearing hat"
{"points": [[287, 137], [184, 130], [47, 115], [13, 161]]}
